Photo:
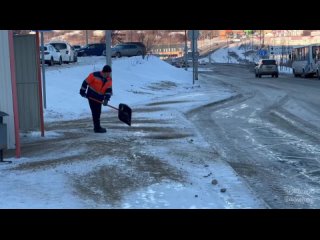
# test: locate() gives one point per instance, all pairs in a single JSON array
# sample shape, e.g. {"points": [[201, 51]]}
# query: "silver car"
{"points": [[127, 50], [267, 67]]}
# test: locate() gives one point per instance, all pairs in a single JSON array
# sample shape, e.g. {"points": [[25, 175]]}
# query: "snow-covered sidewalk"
{"points": [[160, 162]]}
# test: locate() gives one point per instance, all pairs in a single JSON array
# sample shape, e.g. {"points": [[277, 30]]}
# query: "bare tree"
{"points": [[116, 37], [141, 36], [152, 38]]}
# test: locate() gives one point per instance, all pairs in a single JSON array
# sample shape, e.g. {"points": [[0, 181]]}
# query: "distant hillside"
{"points": [[74, 37], [149, 37]]}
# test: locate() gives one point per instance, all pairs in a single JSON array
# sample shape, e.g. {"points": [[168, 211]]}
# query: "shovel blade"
{"points": [[124, 113]]}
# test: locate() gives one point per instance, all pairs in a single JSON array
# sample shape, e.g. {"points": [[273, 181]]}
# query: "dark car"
{"points": [[75, 56], [76, 47], [93, 49]]}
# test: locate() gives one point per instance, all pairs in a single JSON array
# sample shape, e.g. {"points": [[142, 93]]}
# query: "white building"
{"points": [[20, 74], [8, 94]]}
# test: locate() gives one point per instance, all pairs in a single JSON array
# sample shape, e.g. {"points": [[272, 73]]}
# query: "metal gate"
{"points": [[26, 64]]}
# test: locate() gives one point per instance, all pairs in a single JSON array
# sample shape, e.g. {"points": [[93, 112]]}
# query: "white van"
{"points": [[67, 53]]}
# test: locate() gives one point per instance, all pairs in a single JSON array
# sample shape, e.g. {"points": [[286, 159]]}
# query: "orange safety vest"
{"points": [[98, 83], [98, 86]]}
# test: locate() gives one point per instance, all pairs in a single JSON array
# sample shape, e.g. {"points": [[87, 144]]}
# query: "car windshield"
{"points": [[59, 46], [269, 62]]}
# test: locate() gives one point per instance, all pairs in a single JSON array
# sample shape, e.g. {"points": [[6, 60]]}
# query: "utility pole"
{"points": [[193, 63], [194, 37], [260, 38], [87, 38], [252, 41], [108, 47], [228, 48], [108, 50], [185, 50]]}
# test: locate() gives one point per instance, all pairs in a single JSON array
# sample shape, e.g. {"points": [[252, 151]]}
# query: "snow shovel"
{"points": [[124, 111]]}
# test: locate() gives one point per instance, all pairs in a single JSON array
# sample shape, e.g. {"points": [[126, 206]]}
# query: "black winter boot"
{"points": [[100, 130], [97, 128]]}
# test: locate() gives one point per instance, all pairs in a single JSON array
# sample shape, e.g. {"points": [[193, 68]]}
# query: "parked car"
{"points": [[67, 52], [75, 52], [141, 45], [93, 49], [51, 55], [267, 67], [127, 49], [113, 52], [318, 70], [180, 62], [76, 47]]}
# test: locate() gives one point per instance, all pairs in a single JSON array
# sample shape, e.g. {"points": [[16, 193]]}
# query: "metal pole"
{"points": [[43, 72], [87, 38], [40, 86], [228, 48], [108, 47], [108, 50], [260, 38], [252, 42], [196, 56], [185, 50], [193, 72]]}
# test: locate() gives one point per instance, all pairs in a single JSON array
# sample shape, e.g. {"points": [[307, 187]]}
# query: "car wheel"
{"points": [[69, 60], [51, 62], [256, 75], [294, 73], [84, 54], [60, 60], [118, 55], [259, 75], [139, 53]]}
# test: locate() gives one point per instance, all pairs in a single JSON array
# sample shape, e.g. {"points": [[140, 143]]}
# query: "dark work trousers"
{"points": [[96, 112]]}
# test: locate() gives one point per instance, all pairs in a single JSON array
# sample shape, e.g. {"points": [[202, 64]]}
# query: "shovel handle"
{"points": [[102, 103], [113, 107]]}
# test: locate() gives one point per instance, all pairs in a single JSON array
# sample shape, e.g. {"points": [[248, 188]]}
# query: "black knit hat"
{"points": [[106, 68]]}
